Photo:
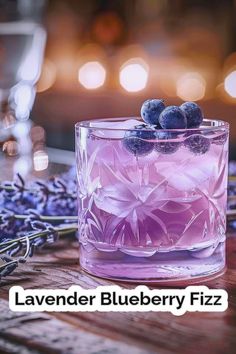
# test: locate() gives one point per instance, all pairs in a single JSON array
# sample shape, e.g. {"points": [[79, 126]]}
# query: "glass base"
{"points": [[189, 266]]}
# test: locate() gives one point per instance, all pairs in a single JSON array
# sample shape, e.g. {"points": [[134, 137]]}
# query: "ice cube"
{"points": [[188, 173], [113, 130]]}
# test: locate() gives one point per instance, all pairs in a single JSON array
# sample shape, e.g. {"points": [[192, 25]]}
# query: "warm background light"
{"points": [[92, 75], [191, 87], [48, 76], [134, 75], [230, 84], [123, 55]]}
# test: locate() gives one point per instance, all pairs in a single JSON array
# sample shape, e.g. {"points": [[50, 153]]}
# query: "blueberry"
{"points": [[197, 144], [151, 110], [137, 141], [173, 118], [166, 146], [193, 114]]}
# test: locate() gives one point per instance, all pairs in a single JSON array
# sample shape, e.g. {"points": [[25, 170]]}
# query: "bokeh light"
{"points": [[40, 160], [230, 84], [191, 86], [48, 76], [92, 75], [134, 75]]}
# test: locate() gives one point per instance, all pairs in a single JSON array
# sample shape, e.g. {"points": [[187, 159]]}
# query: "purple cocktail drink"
{"points": [[154, 216]]}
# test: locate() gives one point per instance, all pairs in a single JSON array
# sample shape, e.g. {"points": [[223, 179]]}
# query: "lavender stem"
{"points": [[48, 217], [61, 230]]}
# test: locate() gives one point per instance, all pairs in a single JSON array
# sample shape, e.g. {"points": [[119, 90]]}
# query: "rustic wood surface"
{"points": [[108, 333]]}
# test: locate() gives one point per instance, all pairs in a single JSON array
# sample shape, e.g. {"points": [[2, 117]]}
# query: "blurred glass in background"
{"points": [[22, 43]]}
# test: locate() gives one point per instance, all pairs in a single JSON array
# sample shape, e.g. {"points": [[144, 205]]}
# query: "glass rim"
{"points": [[220, 124]]}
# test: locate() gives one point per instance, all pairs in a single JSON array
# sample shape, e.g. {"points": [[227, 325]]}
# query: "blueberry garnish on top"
{"points": [[151, 134], [193, 114], [151, 110], [138, 142], [173, 117]]}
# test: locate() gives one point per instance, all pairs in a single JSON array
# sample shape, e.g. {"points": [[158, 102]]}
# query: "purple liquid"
{"points": [[157, 217]]}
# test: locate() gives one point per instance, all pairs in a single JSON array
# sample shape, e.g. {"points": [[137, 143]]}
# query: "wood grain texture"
{"points": [[44, 333], [103, 333]]}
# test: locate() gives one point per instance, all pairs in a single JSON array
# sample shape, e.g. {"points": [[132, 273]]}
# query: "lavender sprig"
{"points": [[54, 200], [43, 234], [31, 215], [53, 197], [8, 215]]}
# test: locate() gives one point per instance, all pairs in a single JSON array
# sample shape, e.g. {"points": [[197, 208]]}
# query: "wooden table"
{"points": [[110, 333]]}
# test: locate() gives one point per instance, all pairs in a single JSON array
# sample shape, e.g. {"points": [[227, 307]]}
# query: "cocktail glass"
{"points": [[155, 217]]}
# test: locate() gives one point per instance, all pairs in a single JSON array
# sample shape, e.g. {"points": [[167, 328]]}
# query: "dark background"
{"points": [[176, 39]]}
